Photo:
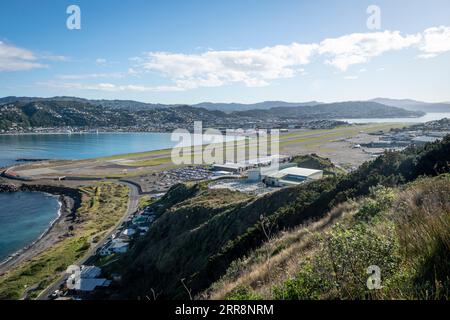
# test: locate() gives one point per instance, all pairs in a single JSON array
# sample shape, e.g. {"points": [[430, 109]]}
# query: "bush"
{"points": [[380, 200], [242, 293], [339, 269], [308, 283], [422, 216], [405, 233]]}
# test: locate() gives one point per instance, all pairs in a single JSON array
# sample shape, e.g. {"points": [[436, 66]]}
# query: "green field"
{"points": [[318, 137]]}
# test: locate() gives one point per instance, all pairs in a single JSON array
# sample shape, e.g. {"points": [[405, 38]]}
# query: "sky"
{"points": [[186, 52]]}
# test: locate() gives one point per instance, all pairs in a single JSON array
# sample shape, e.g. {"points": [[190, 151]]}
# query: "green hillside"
{"points": [[76, 113], [201, 232], [25, 113], [350, 109], [60, 114], [404, 231], [313, 161]]}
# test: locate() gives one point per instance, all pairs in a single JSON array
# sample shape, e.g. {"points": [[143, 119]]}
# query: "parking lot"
{"points": [[242, 185], [162, 181]]}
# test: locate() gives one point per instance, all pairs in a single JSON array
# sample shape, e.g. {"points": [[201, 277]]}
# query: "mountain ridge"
{"points": [[67, 112], [407, 104], [414, 105]]}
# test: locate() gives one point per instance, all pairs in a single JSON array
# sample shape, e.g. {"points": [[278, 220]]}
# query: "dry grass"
{"points": [[422, 216], [278, 259], [419, 219]]}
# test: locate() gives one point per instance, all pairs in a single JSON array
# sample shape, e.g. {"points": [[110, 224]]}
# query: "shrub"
{"points": [[242, 293], [380, 200], [308, 283], [339, 269]]}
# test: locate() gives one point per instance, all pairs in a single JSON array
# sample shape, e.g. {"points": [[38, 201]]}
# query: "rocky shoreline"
{"points": [[69, 199]]}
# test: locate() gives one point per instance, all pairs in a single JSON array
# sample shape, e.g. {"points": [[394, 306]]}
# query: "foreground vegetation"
{"points": [[202, 233], [101, 208], [404, 231]]}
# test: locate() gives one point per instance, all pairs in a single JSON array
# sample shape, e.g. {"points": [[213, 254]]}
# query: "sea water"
{"points": [[24, 217]]}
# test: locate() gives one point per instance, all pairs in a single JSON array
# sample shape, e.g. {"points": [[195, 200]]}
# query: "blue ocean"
{"points": [[78, 146], [24, 216]]}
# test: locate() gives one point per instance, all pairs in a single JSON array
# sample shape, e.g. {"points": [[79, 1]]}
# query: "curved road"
{"points": [[133, 202]]}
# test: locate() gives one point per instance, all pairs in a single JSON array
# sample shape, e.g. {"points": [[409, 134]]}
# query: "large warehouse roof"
{"points": [[295, 171]]}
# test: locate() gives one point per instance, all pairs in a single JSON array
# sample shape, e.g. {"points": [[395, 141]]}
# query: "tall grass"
{"points": [[422, 217], [405, 232]]}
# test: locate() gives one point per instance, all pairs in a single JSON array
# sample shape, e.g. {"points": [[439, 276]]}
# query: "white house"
{"points": [[115, 246], [90, 272], [90, 284], [87, 279]]}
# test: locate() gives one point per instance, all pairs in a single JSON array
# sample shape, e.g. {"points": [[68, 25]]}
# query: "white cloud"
{"points": [[51, 57], [258, 67], [13, 58], [436, 40], [359, 48], [109, 87], [253, 67], [101, 61], [133, 72], [112, 75]]}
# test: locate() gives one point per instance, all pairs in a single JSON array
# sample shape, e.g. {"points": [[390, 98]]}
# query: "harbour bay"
{"points": [[24, 216]]}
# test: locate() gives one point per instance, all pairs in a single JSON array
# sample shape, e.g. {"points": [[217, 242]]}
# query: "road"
{"points": [[133, 202]]}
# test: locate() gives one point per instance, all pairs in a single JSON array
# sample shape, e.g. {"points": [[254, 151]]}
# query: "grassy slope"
{"points": [[198, 243], [313, 161], [404, 231], [192, 213], [102, 206]]}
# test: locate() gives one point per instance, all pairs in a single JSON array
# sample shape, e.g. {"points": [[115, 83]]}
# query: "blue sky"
{"points": [[226, 51]]}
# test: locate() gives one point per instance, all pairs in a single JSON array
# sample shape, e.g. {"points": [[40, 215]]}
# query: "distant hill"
{"points": [[79, 113], [54, 113], [136, 105], [351, 109], [229, 107], [28, 112], [414, 105], [131, 105], [113, 104], [12, 99]]}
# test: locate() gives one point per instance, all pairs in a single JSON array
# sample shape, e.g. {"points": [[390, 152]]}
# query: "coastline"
{"points": [[410, 119], [77, 132], [56, 231], [46, 231]]}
